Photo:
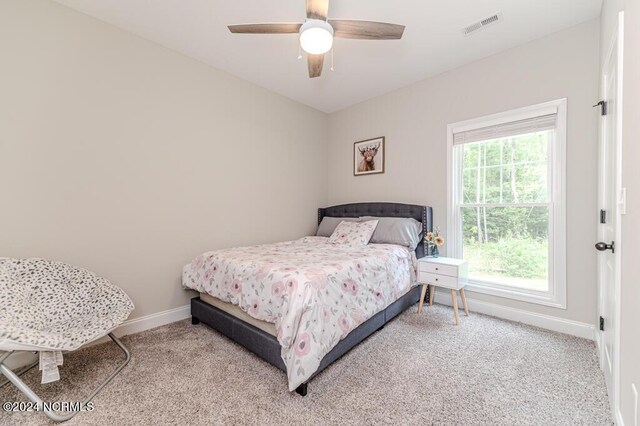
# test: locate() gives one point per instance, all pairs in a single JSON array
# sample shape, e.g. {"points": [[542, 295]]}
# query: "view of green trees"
{"points": [[505, 216]]}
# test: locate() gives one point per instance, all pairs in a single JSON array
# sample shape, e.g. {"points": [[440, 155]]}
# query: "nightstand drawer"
{"points": [[437, 268], [438, 280]]}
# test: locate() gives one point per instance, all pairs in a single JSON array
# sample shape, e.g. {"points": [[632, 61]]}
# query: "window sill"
{"points": [[547, 299]]}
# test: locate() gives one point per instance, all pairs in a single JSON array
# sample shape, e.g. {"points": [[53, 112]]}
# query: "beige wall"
{"points": [[129, 159], [630, 247], [414, 121]]}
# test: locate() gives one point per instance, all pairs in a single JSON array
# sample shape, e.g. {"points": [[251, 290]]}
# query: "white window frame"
{"points": [[557, 294]]}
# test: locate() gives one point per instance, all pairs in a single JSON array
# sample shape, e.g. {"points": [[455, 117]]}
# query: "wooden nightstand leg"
{"points": [[454, 299], [422, 295], [432, 292], [464, 302]]}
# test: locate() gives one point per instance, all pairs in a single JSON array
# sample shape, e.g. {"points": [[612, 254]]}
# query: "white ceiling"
{"points": [[432, 41]]}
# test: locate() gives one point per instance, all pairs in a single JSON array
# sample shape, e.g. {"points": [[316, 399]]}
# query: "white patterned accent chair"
{"points": [[51, 307]]}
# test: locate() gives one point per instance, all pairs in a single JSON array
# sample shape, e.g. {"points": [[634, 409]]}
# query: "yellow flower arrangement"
{"points": [[434, 238]]}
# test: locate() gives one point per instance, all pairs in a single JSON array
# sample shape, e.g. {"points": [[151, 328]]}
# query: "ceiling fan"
{"points": [[317, 33]]}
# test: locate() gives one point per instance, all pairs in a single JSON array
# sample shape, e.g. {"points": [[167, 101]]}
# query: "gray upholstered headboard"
{"points": [[423, 214]]}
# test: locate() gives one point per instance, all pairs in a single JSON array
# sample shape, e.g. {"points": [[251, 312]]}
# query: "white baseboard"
{"points": [[131, 326], [561, 325], [19, 360], [148, 322]]}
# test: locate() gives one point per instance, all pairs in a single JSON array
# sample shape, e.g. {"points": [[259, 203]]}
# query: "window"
{"points": [[507, 202]]}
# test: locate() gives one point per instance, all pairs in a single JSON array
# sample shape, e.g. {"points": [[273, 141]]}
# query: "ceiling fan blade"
{"points": [[314, 63], [317, 9], [282, 28], [366, 30]]}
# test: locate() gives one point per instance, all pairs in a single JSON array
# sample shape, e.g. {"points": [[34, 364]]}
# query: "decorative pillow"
{"points": [[403, 231], [329, 224], [353, 233]]}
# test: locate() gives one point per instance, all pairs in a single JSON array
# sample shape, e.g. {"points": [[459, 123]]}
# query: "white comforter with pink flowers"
{"points": [[315, 292]]}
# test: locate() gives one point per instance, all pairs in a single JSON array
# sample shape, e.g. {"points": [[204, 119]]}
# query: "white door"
{"points": [[608, 229]]}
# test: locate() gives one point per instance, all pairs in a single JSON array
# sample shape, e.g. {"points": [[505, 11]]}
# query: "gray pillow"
{"points": [[403, 231], [329, 224]]}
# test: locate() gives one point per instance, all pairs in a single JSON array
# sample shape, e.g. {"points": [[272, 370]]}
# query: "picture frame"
{"points": [[368, 156]]}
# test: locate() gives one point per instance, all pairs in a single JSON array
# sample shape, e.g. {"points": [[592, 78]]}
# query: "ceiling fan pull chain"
{"points": [[331, 59], [299, 51]]}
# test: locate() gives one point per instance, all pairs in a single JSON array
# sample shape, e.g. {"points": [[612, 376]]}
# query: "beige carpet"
{"points": [[417, 370]]}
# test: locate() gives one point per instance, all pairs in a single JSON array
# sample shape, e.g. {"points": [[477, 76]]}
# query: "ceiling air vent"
{"points": [[484, 23]]}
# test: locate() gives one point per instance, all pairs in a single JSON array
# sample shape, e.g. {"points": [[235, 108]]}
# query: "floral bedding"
{"points": [[315, 292]]}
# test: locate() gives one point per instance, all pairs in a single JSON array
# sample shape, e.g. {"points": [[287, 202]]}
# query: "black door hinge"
{"points": [[603, 107], [601, 324], [603, 216]]}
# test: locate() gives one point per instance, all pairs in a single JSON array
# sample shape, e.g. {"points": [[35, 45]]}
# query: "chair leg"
{"points": [[26, 390]]}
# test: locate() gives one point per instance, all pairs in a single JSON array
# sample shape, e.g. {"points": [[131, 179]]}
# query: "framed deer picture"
{"points": [[368, 157]]}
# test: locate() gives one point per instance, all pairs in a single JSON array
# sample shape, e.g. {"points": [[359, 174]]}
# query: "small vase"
{"points": [[435, 252]]}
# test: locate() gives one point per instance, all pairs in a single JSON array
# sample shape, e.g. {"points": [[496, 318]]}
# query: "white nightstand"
{"points": [[447, 273]]}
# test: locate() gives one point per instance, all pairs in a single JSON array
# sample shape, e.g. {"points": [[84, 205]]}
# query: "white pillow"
{"points": [[353, 233]]}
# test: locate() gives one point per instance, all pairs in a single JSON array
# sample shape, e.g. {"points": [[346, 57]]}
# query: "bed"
{"points": [[317, 302]]}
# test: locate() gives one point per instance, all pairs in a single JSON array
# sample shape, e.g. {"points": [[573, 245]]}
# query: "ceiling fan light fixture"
{"points": [[316, 36]]}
